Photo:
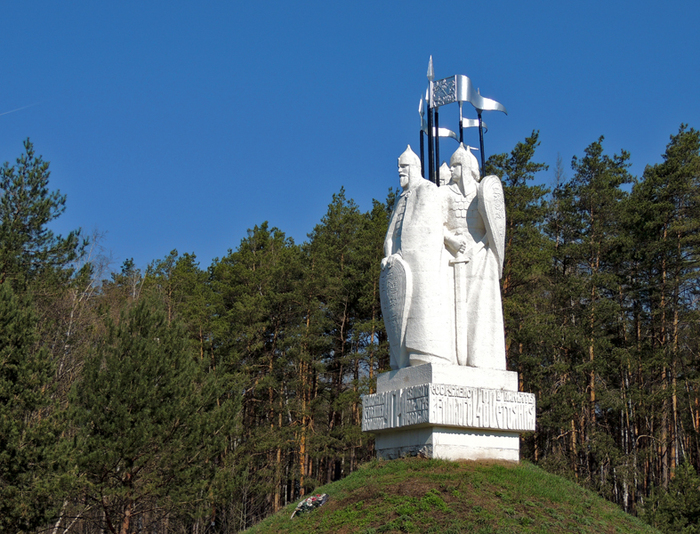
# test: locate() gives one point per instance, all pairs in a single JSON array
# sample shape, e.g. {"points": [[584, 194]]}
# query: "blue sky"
{"points": [[179, 125]]}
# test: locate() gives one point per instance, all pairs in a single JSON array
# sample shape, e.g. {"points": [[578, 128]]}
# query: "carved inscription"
{"points": [[395, 287], [394, 409], [449, 405], [481, 408], [499, 207]]}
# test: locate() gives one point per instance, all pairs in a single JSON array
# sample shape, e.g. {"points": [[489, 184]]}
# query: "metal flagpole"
{"points": [[437, 149], [481, 142], [430, 144], [422, 154], [422, 141], [431, 77], [458, 88]]}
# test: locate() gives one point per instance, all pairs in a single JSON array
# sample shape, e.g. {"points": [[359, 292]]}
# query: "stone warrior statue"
{"points": [[474, 234], [439, 282], [410, 286]]}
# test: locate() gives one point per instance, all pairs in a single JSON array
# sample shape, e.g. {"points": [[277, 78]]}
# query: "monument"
{"points": [[448, 394]]}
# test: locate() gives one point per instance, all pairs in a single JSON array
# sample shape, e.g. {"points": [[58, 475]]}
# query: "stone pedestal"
{"points": [[448, 411]]}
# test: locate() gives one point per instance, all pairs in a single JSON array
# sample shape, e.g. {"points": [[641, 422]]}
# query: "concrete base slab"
{"points": [[448, 444], [431, 373]]}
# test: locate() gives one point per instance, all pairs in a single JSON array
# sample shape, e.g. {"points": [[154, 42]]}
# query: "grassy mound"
{"points": [[421, 496]]}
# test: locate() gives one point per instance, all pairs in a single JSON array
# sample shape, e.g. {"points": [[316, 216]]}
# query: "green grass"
{"points": [[434, 496]]}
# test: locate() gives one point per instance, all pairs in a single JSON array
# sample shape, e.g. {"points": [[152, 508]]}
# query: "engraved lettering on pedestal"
{"points": [[472, 407], [373, 412], [395, 409], [449, 405]]}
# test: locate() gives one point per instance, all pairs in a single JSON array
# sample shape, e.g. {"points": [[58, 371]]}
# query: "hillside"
{"points": [[421, 496]]}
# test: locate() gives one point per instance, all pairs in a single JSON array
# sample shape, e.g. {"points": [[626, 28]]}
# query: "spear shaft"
{"points": [[481, 142], [431, 146], [437, 149], [422, 153]]}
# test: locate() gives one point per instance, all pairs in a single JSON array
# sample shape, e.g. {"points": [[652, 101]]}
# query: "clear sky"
{"points": [[179, 125]]}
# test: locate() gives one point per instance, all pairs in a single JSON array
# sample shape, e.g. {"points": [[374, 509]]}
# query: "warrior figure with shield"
{"points": [[474, 236], [410, 283]]}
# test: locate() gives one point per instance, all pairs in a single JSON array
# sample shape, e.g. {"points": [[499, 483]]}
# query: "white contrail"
{"points": [[19, 109]]}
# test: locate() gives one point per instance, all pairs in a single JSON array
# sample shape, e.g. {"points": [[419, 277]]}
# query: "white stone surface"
{"points": [[448, 444], [448, 394], [410, 283], [449, 405], [439, 284], [448, 411], [444, 174], [474, 232], [447, 374]]}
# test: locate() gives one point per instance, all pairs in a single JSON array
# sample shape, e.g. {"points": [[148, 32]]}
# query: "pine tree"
{"points": [[28, 249], [38, 264], [27, 432], [139, 414], [338, 266], [255, 334], [678, 508], [586, 228], [527, 253], [527, 311], [665, 223]]}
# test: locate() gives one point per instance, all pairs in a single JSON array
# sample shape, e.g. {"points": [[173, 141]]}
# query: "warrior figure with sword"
{"points": [[474, 237]]}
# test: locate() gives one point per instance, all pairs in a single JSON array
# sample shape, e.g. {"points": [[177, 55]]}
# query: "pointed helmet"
{"points": [[409, 157], [464, 157]]}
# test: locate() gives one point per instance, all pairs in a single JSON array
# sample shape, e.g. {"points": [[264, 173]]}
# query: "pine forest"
{"points": [[186, 398]]}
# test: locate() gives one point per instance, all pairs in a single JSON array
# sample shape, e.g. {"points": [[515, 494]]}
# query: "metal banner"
{"points": [[444, 92], [473, 123], [459, 88], [465, 93]]}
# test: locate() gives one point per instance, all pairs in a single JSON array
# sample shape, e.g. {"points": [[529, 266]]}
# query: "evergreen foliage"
{"points": [[27, 433], [208, 398], [140, 414], [676, 510], [28, 248]]}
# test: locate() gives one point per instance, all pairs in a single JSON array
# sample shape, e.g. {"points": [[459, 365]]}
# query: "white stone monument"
{"points": [[448, 394]]}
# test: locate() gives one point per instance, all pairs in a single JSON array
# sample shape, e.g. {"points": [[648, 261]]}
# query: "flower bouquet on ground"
{"points": [[310, 503]]}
